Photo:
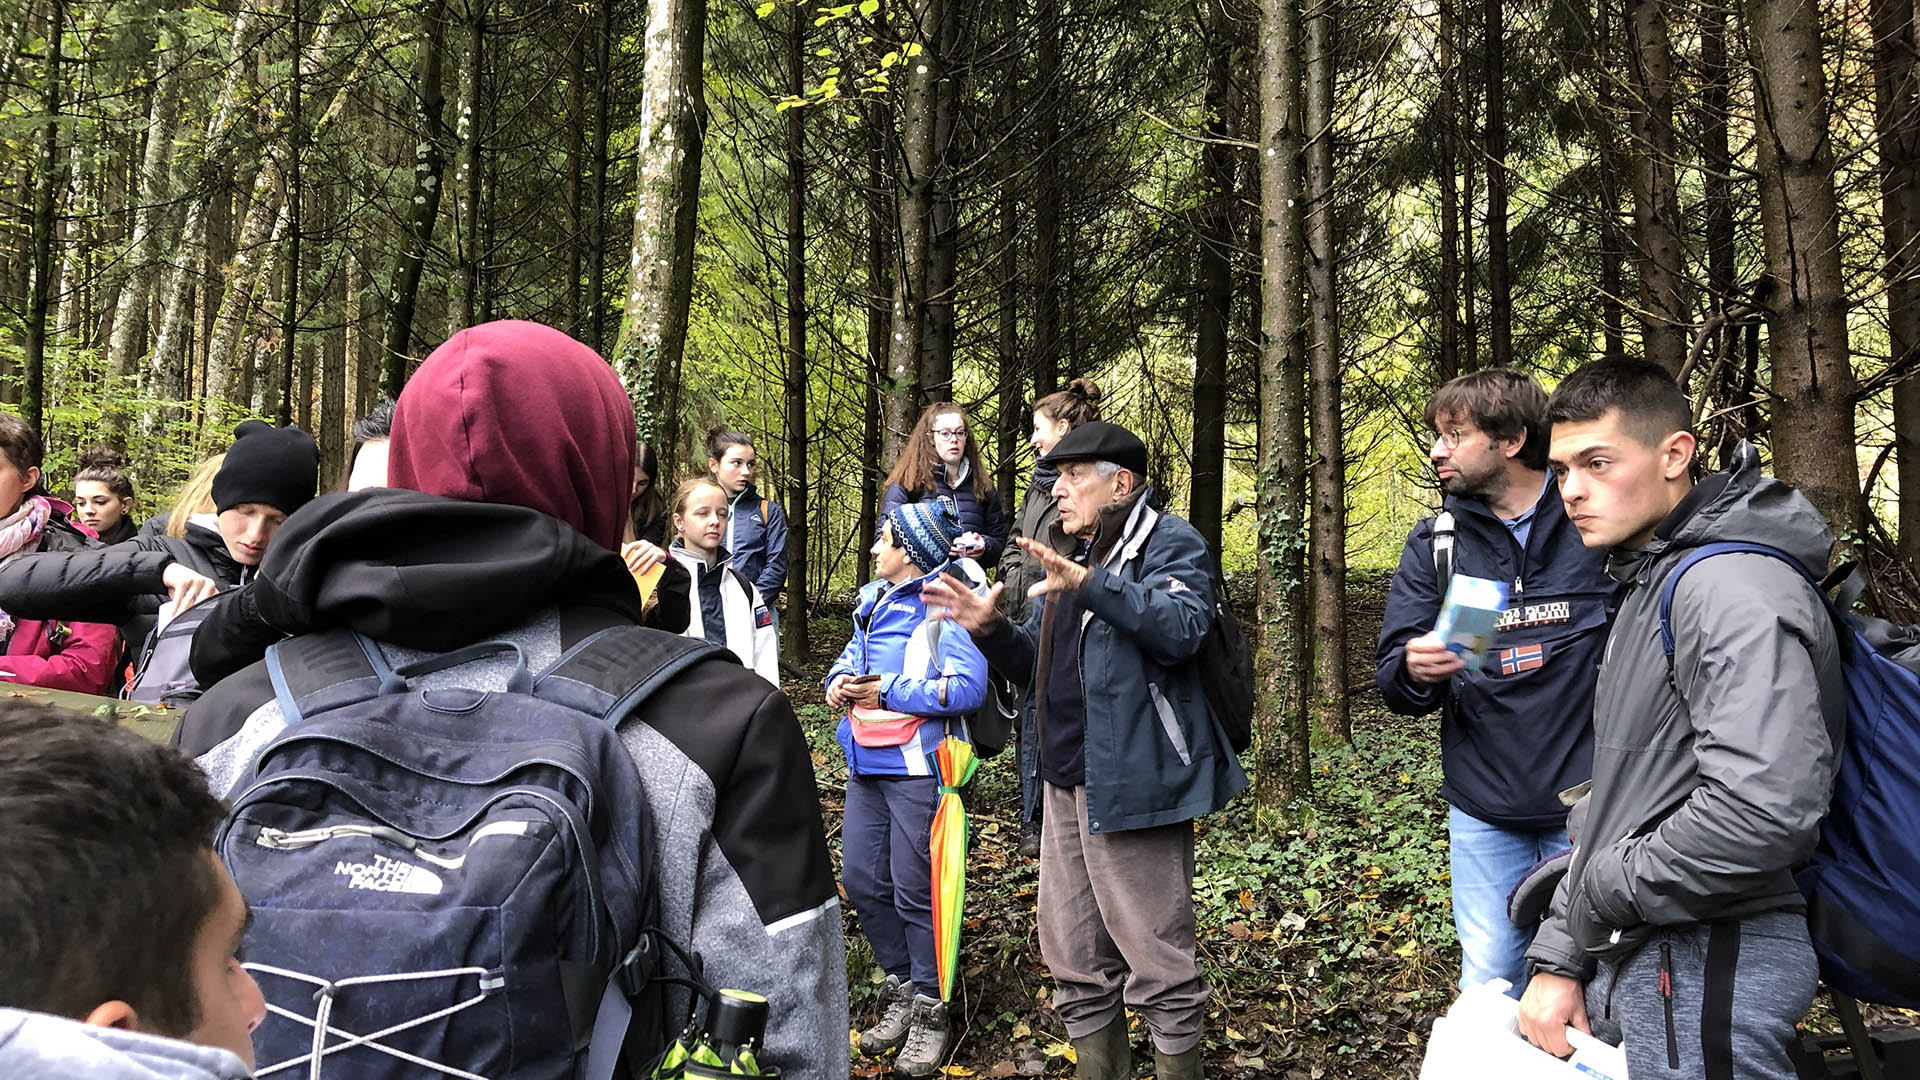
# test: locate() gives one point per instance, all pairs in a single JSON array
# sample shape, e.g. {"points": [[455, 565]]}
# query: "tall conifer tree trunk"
{"points": [[168, 362], [1447, 111], [1612, 279], [914, 200], [1046, 209], [427, 167], [794, 632], [1499, 270], [1896, 113], [1284, 662], [1206, 493], [1812, 417], [1328, 550], [879, 200], [943, 235], [1656, 196], [653, 331], [1715, 154], [595, 297], [45, 221]]}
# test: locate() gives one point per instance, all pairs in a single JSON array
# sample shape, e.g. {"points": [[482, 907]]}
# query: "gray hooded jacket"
{"points": [[39, 1046], [1710, 772]]}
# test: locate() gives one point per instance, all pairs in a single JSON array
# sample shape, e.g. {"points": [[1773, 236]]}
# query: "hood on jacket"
{"points": [[520, 414], [406, 568], [1740, 504], [40, 1046]]}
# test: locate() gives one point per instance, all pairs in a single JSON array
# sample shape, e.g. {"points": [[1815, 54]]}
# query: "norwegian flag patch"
{"points": [[762, 618], [1524, 658]]}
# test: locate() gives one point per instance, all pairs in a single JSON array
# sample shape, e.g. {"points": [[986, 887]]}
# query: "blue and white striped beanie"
{"points": [[927, 531]]}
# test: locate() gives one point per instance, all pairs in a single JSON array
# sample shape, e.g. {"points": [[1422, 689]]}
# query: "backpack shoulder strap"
{"points": [[746, 584], [1443, 529], [314, 672], [763, 510], [612, 672], [1707, 551]]}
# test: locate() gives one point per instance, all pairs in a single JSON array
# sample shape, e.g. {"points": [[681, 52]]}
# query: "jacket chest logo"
{"points": [[1559, 611]]}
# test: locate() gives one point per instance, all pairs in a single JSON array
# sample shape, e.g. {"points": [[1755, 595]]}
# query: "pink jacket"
{"points": [[77, 656]]}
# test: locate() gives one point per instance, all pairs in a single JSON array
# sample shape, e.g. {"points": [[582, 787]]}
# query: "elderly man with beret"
{"points": [[1129, 753]]}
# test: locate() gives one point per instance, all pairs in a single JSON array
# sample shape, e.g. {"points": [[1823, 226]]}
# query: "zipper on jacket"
{"points": [[1666, 999]]}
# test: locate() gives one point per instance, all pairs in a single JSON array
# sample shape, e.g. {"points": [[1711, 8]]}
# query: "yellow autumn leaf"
{"points": [[1235, 1036], [1021, 1030], [956, 1070], [1408, 949]]}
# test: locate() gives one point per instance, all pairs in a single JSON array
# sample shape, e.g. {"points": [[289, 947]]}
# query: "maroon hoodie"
{"points": [[502, 410]]}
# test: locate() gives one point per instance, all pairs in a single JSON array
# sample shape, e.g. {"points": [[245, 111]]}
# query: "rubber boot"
{"points": [[1105, 1054], [1178, 1066]]}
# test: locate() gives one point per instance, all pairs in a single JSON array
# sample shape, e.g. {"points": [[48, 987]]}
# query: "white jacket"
{"points": [[750, 630]]}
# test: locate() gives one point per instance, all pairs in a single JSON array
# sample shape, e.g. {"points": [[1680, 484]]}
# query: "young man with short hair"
{"points": [[1518, 731], [1678, 927], [121, 927]]}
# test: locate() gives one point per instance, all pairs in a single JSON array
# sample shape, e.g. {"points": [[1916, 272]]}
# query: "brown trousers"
{"points": [[1116, 923]]}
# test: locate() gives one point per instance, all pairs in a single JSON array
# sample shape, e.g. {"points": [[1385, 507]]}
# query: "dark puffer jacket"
{"points": [[1712, 768], [985, 518], [121, 584]]}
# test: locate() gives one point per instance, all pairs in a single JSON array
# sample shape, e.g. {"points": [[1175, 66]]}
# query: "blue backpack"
{"points": [[1863, 882], [453, 882]]}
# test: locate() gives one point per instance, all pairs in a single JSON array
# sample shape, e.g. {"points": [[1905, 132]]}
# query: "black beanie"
{"points": [[278, 467]]}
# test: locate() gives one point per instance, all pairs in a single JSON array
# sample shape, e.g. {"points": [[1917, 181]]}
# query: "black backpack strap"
{"points": [[315, 672], [612, 672]]}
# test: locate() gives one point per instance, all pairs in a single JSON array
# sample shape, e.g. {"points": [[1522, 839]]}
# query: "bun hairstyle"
{"points": [[105, 465], [720, 437], [1078, 404], [687, 487]]}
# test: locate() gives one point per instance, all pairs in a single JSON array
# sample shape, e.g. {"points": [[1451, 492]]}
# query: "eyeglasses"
{"points": [[950, 433], [1450, 439]]}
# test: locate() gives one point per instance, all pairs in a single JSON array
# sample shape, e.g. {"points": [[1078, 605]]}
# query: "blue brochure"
{"points": [[1468, 616]]}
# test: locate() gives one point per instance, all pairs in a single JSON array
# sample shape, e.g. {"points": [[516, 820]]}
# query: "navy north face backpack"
{"points": [[1863, 882], [453, 882]]}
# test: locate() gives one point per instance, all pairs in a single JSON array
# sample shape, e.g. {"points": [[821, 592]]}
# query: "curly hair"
{"points": [[914, 471]]}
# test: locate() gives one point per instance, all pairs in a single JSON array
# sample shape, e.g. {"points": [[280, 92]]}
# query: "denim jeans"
{"points": [[1487, 862]]}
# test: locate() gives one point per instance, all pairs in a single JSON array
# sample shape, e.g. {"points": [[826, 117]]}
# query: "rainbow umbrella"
{"points": [[953, 762]]}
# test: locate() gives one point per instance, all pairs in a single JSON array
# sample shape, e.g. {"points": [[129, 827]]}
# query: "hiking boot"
{"points": [[928, 1037], [1184, 1066], [1030, 839], [1104, 1055], [896, 1011]]}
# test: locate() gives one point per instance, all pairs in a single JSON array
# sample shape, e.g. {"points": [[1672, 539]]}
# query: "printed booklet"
{"points": [[1466, 625]]}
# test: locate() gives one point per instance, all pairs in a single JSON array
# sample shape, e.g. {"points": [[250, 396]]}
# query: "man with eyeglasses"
{"points": [[1518, 731]]}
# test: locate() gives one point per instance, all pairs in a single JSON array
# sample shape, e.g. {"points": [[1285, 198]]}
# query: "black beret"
{"points": [[1098, 440]]}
